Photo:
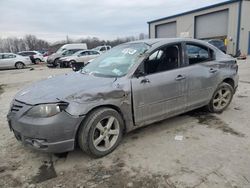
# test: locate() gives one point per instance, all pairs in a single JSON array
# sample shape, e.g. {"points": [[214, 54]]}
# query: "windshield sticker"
{"points": [[129, 51], [117, 72]]}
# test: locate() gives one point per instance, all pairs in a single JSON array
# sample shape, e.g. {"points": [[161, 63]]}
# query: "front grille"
{"points": [[17, 106]]}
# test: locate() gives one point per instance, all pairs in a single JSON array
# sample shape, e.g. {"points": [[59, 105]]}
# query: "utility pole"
{"points": [[67, 39]]}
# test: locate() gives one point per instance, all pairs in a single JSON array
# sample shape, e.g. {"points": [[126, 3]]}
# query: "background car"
{"points": [[219, 44], [102, 49], [53, 59], [10, 60], [35, 56], [79, 59], [65, 50]]}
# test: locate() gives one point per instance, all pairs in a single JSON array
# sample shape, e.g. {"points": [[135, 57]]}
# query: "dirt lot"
{"points": [[214, 152]]}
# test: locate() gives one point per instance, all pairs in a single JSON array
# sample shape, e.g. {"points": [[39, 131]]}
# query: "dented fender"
{"points": [[116, 95]]}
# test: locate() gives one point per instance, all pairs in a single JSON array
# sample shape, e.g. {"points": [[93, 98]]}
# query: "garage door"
{"points": [[213, 25], [166, 30]]}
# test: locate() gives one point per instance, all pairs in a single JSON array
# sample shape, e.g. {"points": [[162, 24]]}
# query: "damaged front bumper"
{"points": [[54, 134]]}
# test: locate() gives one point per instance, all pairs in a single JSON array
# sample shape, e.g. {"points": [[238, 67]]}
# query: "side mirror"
{"points": [[139, 73]]}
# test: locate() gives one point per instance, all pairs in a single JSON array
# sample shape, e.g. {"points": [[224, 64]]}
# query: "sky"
{"points": [[53, 20]]}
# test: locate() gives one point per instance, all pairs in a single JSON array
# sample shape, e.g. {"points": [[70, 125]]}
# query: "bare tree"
{"points": [[31, 42]]}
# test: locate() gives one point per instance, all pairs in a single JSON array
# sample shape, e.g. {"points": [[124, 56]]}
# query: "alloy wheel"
{"points": [[19, 65], [106, 133], [222, 98]]}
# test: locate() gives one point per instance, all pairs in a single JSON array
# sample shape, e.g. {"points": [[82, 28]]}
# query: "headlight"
{"points": [[46, 110]]}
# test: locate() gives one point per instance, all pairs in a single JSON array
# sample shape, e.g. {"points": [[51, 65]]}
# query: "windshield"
{"points": [[117, 61]]}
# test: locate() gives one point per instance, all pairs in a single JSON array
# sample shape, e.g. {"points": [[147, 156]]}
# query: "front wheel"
{"points": [[101, 132], [37, 60], [56, 62], [221, 99]]}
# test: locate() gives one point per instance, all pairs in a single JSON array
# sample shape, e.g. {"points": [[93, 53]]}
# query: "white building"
{"points": [[228, 20]]}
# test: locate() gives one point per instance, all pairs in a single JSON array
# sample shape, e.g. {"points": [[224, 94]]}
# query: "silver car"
{"points": [[10, 60], [130, 86]]}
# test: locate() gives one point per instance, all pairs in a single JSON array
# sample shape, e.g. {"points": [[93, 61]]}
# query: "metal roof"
{"points": [[195, 10]]}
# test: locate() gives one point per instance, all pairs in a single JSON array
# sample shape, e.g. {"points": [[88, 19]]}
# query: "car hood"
{"points": [[70, 87], [68, 58], [54, 55]]}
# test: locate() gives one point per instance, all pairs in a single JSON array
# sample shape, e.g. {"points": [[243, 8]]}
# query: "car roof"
{"points": [[157, 42], [167, 40], [220, 40]]}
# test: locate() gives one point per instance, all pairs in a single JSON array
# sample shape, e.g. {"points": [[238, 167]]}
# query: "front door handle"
{"points": [[212, 70], [144, 81], [180, 77]]}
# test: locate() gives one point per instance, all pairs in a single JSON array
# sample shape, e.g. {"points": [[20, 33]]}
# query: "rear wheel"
{"points": [[221, 99], [71, 63], [19, 65], [101, 132], [77, 66]]}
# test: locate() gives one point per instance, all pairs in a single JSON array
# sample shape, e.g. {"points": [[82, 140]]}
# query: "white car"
{"points": [[35, 56], [65, 50], [10, 60], [102, 49], [79, 58]]}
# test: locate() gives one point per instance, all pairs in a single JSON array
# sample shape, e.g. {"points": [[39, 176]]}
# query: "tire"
{"points": [[19, 65], [37, 60], [76, 66], [56, 62], [101, 132], [221, 99], [73, 68], [71, 63]]}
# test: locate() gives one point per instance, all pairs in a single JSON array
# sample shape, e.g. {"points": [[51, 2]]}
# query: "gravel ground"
{"points": [[214, 151]]}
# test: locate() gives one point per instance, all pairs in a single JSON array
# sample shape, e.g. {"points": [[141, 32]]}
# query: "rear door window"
{"points": [[84, 53], [8, 56], [198, 53]]}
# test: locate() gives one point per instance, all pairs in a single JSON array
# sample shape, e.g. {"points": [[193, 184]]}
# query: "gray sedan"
{"points": [[130, 86]]}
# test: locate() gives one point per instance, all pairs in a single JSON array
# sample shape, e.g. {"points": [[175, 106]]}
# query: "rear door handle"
{"points": [[180, 77], [144, 81], [212, 70]]}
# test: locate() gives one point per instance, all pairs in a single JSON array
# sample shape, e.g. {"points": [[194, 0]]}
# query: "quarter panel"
{"points": [[201, 83]]}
